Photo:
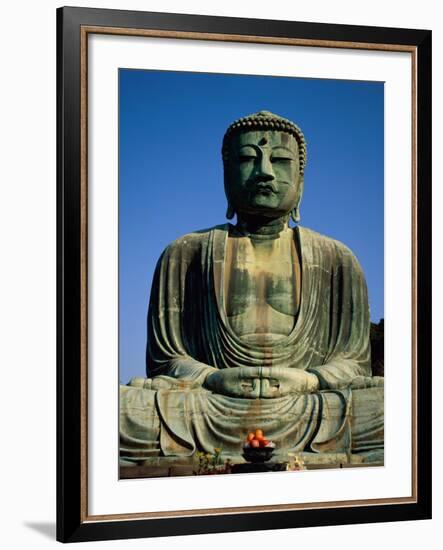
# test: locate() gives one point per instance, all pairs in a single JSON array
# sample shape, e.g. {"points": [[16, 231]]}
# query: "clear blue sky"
{"points": [[171, 172]]}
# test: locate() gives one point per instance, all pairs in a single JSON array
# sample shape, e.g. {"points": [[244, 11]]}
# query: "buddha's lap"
{"points": [[365, 407]]}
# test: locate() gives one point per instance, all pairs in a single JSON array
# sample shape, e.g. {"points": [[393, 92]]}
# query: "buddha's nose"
{"points": [[264, 169]]}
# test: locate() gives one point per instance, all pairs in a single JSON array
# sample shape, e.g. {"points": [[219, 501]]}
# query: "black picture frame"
{"points": [[73, 523]]}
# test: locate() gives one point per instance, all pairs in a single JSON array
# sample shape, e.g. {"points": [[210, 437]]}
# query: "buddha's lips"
{"points": [[267, 188]]}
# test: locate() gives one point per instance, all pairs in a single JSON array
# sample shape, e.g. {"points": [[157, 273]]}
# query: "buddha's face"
{"points": [[263, 173]]}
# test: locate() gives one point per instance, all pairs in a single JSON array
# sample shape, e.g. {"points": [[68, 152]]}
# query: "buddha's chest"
{"points": [[262, 284]]}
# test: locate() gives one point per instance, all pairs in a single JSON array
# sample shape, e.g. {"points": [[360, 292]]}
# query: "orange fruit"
{"points": [[259, 434], [251, 436]]}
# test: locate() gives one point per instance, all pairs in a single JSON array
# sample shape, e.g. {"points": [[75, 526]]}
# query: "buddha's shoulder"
{"points": [[193, 241], [326, 245]]}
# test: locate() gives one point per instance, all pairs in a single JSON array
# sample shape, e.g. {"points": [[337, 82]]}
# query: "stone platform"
{"points": [[173, 466]]}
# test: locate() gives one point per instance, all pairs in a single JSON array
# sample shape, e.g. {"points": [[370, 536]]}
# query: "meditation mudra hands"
{"points": [[261, 382]]}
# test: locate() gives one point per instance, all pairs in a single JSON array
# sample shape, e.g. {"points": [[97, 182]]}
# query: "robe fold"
{"points": [[189, 336]]}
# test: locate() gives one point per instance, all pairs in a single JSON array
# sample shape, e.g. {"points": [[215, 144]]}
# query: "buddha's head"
{"points": [[264, 157]]}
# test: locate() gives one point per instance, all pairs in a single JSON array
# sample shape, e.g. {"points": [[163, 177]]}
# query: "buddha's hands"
{"points": [[281, 381], [261, 382], [236, 382]]}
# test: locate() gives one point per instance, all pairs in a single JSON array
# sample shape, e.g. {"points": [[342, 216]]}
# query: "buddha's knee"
{"points": [[368, 401], [367, 419], [139, 424], [137, 396]]}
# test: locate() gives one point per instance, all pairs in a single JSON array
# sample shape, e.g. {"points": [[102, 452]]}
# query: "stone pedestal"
{"points": [[174, 466]]}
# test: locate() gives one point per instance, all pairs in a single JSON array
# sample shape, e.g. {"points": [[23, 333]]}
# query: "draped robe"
{"points": [[189, 336]]}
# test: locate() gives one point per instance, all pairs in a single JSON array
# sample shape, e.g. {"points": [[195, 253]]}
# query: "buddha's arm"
{"points": [[340, 373], [349, 356], [169, 353], [186, 368], [179, 373]]}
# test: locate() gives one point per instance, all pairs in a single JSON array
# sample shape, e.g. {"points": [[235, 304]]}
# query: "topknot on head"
{"points": [[265, 120]]}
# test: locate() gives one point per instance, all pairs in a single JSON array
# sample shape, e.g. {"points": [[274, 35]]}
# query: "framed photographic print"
{"points": [[244, 241]]}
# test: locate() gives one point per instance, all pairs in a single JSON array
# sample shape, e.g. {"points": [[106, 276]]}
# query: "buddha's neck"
{"points": [[261, 228]]}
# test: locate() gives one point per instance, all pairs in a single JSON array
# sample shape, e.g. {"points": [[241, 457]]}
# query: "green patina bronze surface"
{"points": [[256, 324]]}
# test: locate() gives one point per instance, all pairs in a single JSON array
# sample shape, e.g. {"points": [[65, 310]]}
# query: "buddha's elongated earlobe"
{"points": [[230, 212], [295, 214]]}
